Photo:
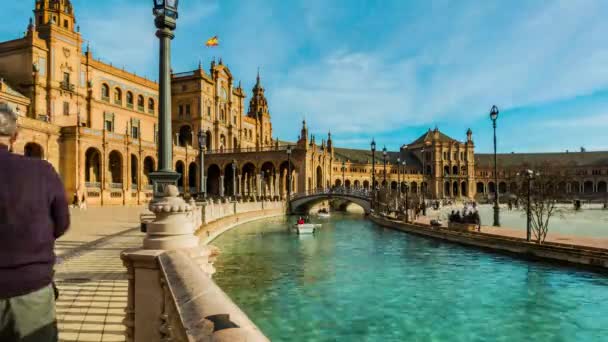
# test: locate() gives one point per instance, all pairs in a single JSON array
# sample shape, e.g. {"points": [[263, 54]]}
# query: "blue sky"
{"points": [[388, 69]]}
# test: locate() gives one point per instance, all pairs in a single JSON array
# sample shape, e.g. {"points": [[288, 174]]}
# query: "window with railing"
{"points": [[118, 96], [129, 100], [105, 92], [140, 103], [150, 106]]}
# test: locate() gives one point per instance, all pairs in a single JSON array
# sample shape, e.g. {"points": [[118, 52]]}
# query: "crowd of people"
{"points": [[468, 215]]}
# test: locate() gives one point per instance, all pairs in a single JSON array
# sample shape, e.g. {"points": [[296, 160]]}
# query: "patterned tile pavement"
{"points": [[90, 275]]}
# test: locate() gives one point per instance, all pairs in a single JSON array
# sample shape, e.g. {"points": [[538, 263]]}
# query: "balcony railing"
{"points": [[95, 185], [133, 186], [116, 185], [105, 98], [140, 108], [130, 105], [66, 86], [118, 102], [249, 149]]}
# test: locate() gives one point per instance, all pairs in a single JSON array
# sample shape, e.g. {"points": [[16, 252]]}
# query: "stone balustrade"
{"points": [[171, 294]]}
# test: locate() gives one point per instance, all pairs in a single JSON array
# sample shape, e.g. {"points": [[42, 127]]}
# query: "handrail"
{"points": [[196, 309], [359, 193]]}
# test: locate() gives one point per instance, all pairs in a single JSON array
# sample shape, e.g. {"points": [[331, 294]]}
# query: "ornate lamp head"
{"points": [[373, 145], [202, 137], [494, 113]]}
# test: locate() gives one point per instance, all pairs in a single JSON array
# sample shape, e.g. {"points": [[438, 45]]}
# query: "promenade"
{"points": [[90, 275], [572, 239]]}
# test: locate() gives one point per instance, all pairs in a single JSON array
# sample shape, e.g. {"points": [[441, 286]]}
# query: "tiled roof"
{"points": [[428, 136], [365, 156], [599, 158]]}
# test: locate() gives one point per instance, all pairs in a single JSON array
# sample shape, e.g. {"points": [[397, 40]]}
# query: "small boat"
{"points": [[324, 213], [306, 228]]}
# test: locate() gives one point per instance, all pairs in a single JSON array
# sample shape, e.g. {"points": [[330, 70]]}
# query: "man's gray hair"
{"points": [[8, 121]]}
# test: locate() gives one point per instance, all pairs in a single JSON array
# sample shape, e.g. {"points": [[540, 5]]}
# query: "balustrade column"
{"points": [[239, 188], [222, 186]]}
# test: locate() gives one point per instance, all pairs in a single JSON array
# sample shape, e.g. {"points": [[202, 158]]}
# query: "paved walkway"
{"points": [[90, 275], [551, 237]]}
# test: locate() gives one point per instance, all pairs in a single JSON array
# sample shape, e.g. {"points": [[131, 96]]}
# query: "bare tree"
{"points": [[541, 191]]}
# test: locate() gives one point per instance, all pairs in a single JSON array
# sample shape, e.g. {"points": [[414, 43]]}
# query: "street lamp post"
{"points": [[493, 117], [398, 177], [288, 173], [166, 15], [202, 137], [343, 169], [234, 179], [373, 146], [384, 160], [423, 186]]}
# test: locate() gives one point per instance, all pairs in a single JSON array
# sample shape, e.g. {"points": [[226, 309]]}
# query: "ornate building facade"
{"points": [[97, 125]]}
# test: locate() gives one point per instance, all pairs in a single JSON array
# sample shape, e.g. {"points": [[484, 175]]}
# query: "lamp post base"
{"points": [[161, 179], [496, 216]]}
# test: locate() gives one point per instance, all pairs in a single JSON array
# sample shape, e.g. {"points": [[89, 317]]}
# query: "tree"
{"points": [[541, 191]]}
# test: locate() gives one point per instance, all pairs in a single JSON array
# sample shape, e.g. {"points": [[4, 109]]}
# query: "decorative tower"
{"points": [[59, 13], [258, 109]]}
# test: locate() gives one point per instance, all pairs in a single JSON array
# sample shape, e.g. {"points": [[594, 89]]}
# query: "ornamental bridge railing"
{"points": [[363, 194]]}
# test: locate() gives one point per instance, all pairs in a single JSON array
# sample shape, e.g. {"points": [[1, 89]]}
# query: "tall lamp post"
{"points": [[343, 169], [384, 153], [493, 117], [288, 173], [202, 142], [373, 146], [166, 15], [398, 177], [407, 205], [234, 179], [424, 185], [529, 174]]}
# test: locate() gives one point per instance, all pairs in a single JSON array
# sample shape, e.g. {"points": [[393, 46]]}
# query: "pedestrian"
{"points": [[83, 202], [75, 201], [33, 213]]}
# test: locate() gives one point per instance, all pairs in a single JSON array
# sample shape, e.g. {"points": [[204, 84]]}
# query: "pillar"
{"points": [[222, 186]]}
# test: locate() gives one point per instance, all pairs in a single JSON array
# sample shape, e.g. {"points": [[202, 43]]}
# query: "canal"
{"points": [[356, 281]]}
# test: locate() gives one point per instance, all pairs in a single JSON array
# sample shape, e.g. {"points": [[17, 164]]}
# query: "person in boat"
{"points": [[300, 221]]}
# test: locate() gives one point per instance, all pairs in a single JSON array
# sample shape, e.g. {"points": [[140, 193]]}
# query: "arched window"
{"points": [[105, 92], [118, 96], [129, 99], [140, 103], [151, 106]]}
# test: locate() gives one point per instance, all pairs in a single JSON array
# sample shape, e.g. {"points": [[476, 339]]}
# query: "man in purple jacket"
{"points": [[33, 213]]}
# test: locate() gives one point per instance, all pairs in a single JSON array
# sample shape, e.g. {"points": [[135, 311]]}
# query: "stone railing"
{"points": [[195, 308], [170, 277], [215, 211]]}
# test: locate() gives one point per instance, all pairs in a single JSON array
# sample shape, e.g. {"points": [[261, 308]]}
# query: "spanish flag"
{"points": [[213, 42]]}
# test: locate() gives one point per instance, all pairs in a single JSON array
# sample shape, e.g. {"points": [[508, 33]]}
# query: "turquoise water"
{"points": [[355, 281]]}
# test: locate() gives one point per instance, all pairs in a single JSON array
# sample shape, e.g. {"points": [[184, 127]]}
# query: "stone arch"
{"points": [[192, 177], [92, 164], [588, 187], [491, 187], [308, 201], [248, 179], [180, 168], [575, 187], [148, 168], [213, 180], [446, 170], [105, 92], [455, 170], [151, 107], [502, 187], [366, 184], [357, 184], [480, 188], [446, 189], [185, 136], [134, 171], [268, 171], [455, 189], [129, 99], [338, 182], [140, 103], [393, 185], [601, 186], [33, 150], [115, 168], [347, 184], [464, 190], [414, 188], [229, 186]]}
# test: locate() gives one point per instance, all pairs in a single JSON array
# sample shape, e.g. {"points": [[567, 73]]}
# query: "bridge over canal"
{"points": [[360, 197]]}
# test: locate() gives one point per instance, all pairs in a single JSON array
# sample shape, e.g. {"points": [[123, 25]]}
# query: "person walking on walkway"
{"points": [[33, 214]]}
